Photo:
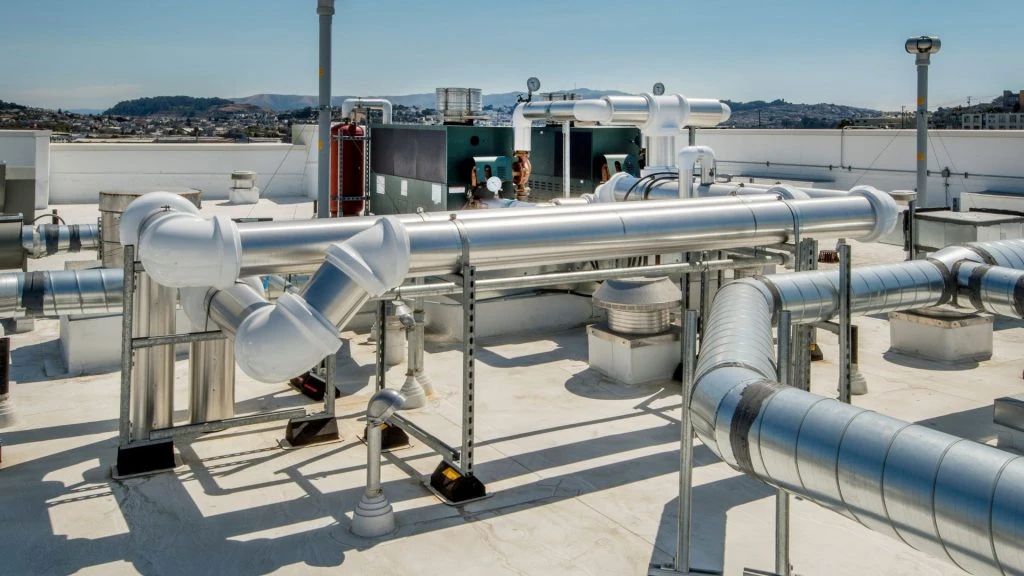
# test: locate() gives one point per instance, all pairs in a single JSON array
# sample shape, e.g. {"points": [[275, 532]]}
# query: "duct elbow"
{"points": [[885, 208], [275, 343], [178, 247]]}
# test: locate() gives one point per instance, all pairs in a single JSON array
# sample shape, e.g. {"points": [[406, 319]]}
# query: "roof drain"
{"points": [[941, 494], [276, 343]]}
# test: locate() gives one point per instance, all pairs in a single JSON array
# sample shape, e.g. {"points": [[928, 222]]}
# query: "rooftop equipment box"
{"points": [[430, 167]]}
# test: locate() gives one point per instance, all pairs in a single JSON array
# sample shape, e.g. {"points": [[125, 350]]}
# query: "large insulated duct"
{"points": [[941, 494], [275, 343], [351, 104], [186, 250], [50, 239], [59, 293]]}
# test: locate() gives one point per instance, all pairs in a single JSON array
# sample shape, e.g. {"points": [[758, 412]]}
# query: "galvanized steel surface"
{"points": [[941, 494], [60, 292]]}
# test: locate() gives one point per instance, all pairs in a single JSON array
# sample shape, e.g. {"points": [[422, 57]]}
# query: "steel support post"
{"points": [[845, 335], [911, 216], [566, 175], [803, 335], [783, 364], [688, 350], [468, 366], [382, 318], [705, 292], [330, 391], [127, 317]]}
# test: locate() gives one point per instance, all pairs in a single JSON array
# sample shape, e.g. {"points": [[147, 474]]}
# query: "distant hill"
{"points": [[178, 106], [11, 106], [286, 102], [782, 114]]}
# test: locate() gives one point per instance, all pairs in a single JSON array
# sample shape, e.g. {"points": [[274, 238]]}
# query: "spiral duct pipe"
{"points": [[944, 495]]}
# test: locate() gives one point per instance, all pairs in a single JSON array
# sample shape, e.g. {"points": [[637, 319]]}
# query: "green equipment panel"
{"points": [[429, 167]]}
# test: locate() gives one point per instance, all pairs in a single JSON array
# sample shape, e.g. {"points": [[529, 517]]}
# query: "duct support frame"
{"points": [[453, 480], [688, 349], [155, 452]]}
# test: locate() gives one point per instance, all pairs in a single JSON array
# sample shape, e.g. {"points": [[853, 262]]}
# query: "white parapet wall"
{"points": [[891, 155], [80, 171]]}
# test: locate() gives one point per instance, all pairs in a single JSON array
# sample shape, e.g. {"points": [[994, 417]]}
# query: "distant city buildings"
{"points": [[993, 121]]}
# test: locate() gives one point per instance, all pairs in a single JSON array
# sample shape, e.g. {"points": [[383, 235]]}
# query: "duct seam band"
{"points": [[1018, 297], [974, 286], [949, 286], [752, 399]]}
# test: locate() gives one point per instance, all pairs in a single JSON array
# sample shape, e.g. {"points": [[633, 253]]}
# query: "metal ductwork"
{"points": [[382, 257], [941, 494], [174, 242], [623, 186], [49, 239], [59, 293]]}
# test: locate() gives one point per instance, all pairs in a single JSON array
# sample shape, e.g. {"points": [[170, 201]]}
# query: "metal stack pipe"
{"points": [[325, 12], [922, 48], [941, 494]]}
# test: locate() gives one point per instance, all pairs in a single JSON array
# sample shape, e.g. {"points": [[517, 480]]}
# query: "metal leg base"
{"points": [[312, 430], [145, 458], [669, 570], [415, 395], [373, 517], [452, 486]]}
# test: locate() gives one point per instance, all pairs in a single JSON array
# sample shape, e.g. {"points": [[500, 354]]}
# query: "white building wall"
{"points": [[808, 155], [79, 171]]}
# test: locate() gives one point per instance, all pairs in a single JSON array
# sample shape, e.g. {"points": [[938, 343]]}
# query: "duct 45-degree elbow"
{"points": [[177, 246], [277, 342]]}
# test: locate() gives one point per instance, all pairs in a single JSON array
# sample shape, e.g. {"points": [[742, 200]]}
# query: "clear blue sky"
{"points": [[92, 53]]}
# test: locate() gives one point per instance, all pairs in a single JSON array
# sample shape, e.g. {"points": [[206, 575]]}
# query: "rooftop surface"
{"points": [[582, 472]]}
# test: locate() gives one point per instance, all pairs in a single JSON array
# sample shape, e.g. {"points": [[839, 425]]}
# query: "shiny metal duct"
{"points": [[302, 328], [59, 293], [212, 381], [944, 495], [992, 289], [49, 239], [299, 246], [153, 380]]}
